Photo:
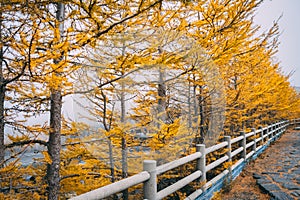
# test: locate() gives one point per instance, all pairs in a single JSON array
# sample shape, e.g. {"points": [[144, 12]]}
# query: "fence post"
{"points": [[150, 186], [280, 128], [293, 123], [274, 130], [201, 164], [244, 152], [271, 130], [267, 133], [228, 140], [261, 134], [254, 145]]}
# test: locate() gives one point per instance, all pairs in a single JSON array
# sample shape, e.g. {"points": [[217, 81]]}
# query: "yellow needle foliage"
{"points": [[152, 74]]}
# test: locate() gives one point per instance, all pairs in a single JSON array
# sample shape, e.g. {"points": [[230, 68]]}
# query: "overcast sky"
{"points": [[289, 54]]}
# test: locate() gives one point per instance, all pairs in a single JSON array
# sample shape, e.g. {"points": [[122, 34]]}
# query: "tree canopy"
{"points": [[155, 77]]}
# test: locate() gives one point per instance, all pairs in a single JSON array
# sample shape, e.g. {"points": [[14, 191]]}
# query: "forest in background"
{"points": [[157, 77]]}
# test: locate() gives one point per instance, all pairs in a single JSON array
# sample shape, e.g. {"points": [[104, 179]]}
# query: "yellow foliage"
{"points": [[217, 196], [18, 138], [120, 41], [165, 134], [226, 165], [47, 157]]}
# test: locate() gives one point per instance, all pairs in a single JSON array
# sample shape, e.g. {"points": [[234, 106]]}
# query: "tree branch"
{"points": [[120, 22], [69, 176], [21, 143]]}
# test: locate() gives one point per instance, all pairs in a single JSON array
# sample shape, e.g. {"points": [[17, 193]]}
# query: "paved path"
{"points": [[274, 175]]}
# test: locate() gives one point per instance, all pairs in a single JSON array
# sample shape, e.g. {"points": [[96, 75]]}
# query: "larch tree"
{"points": [[18, 39], [5, 80], [86, 22], [54, 141], [93, 10]]}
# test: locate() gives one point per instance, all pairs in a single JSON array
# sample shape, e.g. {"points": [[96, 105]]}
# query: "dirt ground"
{"points": [[244, 187]]}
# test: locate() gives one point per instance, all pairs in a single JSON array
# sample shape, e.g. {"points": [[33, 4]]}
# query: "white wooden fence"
{"points": [[245, 148]]}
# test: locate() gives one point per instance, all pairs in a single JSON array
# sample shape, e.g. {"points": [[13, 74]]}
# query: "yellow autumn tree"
{"points": [[48, 43]]}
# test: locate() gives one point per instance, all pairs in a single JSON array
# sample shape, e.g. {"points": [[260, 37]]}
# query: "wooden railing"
{"points": [[246, 145]]}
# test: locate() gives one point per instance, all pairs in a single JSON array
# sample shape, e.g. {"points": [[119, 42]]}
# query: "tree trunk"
{"points": [[2, 98], [190, 123], [202, 115], [195, 100], [124, 142], [124, 165], [2, 123], [161, 92], [54, 143], [111, 161]]}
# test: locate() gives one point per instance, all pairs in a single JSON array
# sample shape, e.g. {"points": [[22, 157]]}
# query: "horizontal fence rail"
{"points": [[246, 146]]}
